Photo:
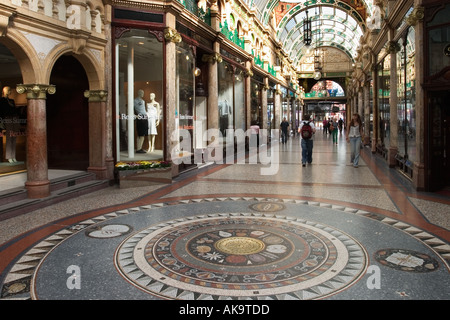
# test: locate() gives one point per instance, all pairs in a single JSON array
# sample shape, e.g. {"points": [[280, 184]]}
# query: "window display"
{"points": [[139, 92], [184, 110], [231, 99]]}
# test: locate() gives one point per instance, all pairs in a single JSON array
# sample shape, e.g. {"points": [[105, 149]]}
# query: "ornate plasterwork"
{"points": [[42, 45]]}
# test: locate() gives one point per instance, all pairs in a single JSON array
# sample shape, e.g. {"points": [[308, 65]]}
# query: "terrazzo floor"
{"points": [[228, 232]]}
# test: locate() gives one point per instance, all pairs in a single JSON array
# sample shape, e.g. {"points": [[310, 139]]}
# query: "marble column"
{"points": [[375, 112], [416, 20], [213, 87], [97, 132], [263, 124], [37, 184], [248, 98], [172, 37], [366, 92], [393, 103], [277, 106]]}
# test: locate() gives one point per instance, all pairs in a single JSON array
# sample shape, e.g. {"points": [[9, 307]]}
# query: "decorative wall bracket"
{"points": [[96, 95], [5, 21], [36, 91], [172, 35]]}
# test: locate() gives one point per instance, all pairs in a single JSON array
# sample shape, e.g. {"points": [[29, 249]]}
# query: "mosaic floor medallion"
{"points": [[267, 206], [227, 256], [406, 260]]}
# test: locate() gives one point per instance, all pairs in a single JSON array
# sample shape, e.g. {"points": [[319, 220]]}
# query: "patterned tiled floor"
{"points": [[227, 232]]}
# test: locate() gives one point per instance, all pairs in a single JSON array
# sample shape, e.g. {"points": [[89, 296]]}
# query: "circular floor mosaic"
{"points": [[241, 255]]}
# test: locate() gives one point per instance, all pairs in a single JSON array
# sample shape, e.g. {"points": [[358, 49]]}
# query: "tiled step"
{"points": [[15, 202]]}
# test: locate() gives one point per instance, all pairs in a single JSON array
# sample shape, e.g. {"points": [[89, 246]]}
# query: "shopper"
{"points": [[284, 126], [334, 130], [307, 130], [354, 136]]}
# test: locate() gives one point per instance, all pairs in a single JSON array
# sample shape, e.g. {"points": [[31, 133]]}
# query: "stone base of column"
{"points": [[366, 141], [110, 168], [374, 146], [38, 189], [392, 152], [418, 177], [101, 173]]}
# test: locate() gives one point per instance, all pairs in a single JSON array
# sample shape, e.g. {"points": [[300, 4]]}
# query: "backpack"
{"points": [[306, 131]]}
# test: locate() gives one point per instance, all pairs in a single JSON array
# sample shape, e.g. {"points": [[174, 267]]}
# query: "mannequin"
{"points": [[141, 120], [11, 124], [153, 114]]}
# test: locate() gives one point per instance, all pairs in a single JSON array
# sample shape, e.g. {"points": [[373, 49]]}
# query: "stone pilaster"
{"points": [[264, 119], [366, 92], [37, 185], [393, 48], [416, 21], [213, 88], [97, 133], [172, 37]]}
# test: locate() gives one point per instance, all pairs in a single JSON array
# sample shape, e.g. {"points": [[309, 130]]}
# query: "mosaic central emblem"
{"points": [[240, 245], [236, 255]]}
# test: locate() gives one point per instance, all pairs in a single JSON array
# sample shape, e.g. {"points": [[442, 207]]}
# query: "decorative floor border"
{"points": [[18, 282]]}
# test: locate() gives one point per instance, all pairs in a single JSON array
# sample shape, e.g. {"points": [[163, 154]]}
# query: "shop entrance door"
{"points": [[439, 133], [68, 117]]}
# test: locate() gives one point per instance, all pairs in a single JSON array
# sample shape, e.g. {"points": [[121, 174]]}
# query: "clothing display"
{"points": [[152, 116]]}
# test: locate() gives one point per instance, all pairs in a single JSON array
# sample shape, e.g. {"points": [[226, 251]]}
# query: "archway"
{"points": [[68, 116]]}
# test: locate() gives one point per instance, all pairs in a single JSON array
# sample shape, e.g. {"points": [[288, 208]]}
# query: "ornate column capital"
{"points": [[248, 73], [36, 91], [212, 58], [96, 95], [417, 15], [172, 35], [392, 47]]}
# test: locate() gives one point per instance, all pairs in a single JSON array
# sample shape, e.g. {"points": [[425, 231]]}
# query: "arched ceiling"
{"points": [[335, 23]]}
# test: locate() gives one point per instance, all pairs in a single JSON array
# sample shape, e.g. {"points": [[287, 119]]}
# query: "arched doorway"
{"points": [[68, 116]]}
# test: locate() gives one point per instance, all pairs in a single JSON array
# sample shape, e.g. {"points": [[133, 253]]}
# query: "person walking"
{"points": [[284, 125], [334, 130], [306, 130], [354, 136]]}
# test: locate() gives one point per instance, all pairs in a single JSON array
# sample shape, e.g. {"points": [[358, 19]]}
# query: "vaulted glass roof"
{"points": [[330, 26], [335, 23]]}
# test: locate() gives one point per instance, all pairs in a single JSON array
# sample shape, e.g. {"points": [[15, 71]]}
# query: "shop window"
{"points": [[184, 109], [139, 96], [406, 97], [383, 101], [13, 115]]}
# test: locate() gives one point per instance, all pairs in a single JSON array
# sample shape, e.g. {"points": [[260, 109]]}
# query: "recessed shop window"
{"points": [[13, 115], [184, 109], [139, 96]]}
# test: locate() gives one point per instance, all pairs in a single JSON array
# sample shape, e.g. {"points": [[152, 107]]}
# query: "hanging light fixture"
{"points": [[307, 33], [317, 56]]}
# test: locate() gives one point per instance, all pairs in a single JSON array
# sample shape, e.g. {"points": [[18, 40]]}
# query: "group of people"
{"points": [[331, 126], [307, 129]]}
